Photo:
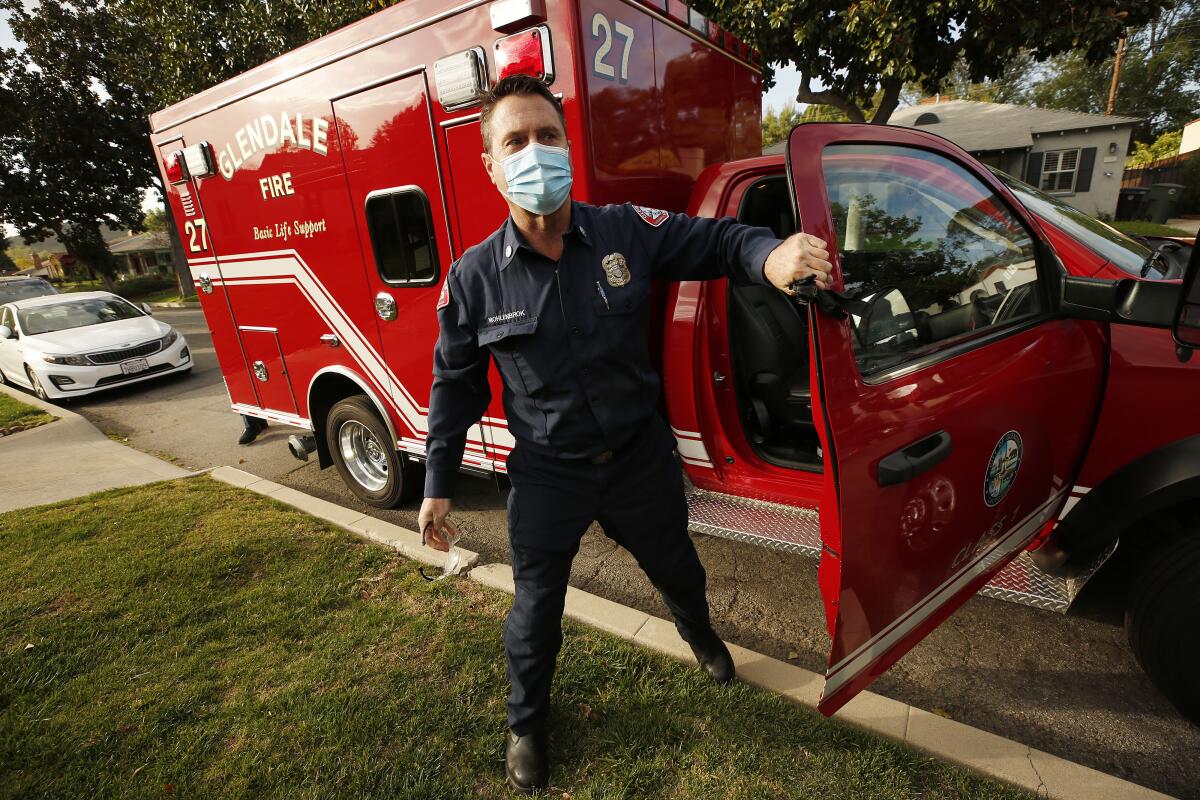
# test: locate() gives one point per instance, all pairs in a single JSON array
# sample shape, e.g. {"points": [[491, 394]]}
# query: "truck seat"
{"points": [[770, 339]]}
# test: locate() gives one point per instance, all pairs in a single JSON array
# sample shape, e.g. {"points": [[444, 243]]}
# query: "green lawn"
{"points": [[1142, 228], [14, 412], [196, 640]]}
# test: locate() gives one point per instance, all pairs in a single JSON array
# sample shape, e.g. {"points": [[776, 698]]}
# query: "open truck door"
{"points": [[954, 403]]}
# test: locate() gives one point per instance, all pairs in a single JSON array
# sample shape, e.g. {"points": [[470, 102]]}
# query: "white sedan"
{"points": [[67, 345]]}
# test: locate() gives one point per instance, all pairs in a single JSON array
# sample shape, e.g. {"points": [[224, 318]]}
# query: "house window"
{"points": [[401, 231], [1058, 170]]}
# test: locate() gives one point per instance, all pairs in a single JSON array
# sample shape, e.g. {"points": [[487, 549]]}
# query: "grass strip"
{"points": [[14, 414], [1143, 228], [192, 639]]}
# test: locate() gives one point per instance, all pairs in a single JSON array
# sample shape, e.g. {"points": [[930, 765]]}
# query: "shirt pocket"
{"points": [[511, 343], [616, 300]]}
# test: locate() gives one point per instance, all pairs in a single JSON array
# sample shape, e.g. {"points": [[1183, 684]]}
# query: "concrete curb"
{"points": [[985, 753], [195, 305], [404, 541]]}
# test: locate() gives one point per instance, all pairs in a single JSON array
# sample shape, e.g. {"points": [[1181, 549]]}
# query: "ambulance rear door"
{"points": [[954, 407]]}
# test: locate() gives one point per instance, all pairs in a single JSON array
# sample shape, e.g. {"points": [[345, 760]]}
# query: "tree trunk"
{"points": [[183, 276], [887, 102], [807, 95]]}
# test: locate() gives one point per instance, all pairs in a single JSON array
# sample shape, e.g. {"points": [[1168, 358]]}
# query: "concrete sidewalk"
{"points": [[68, 458], [1192, 226]]}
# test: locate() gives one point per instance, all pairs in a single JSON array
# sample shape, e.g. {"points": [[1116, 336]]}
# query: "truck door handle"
{"points": [[918, 457]]}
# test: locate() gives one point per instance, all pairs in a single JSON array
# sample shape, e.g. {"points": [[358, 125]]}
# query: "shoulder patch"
{"points": [[651, 216], [444, 297]]}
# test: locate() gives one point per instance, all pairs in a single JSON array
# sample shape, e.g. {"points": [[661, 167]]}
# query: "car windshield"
{"points": [[74, 314], [1104, 240], [20, 290]]}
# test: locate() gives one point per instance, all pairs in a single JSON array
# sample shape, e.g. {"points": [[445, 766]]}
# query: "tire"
{"points": [[365, 456], [1162, 618], [38, 389]]}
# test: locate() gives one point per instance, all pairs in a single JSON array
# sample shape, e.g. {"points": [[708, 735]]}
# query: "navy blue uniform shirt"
{"points": [[570, 338]]}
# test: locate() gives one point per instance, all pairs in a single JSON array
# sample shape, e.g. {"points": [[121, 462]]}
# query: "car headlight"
{"points": [[170, 339], [73, 361]]}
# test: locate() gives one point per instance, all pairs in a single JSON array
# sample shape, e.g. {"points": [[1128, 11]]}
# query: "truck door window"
{"points": [[401, 231], [935, 256]]}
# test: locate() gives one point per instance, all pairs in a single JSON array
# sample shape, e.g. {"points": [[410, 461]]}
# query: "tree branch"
{"points": [[888, 101], [828, 98]]}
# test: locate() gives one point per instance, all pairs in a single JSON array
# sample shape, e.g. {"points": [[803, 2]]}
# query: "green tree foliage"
{"points": [[776, 125], [1164, 146], [1157, 81], [75, 99], [851, 49], [155, 220]]}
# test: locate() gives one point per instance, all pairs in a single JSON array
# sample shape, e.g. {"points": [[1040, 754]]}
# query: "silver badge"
{"points": [[615, 269]]}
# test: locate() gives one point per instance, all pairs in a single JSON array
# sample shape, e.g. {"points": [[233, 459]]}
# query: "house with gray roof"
{"points": [[147, 253], [1078, 157]]}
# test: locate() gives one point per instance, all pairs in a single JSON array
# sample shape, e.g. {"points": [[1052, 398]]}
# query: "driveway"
{"points": [[1067, 684]]}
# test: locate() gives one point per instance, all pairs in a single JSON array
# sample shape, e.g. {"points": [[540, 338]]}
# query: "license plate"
{"points": [[134, 366]]}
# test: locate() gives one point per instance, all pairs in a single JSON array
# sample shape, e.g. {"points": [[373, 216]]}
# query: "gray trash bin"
{"points": [[1160, 202]]}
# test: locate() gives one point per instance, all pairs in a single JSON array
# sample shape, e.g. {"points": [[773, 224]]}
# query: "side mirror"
{"points": [[6, 332], [1186, 328], [146, 308]]}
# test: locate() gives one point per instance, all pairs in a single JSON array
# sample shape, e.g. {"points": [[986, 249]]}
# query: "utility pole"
{"points": [[1112, 91]]}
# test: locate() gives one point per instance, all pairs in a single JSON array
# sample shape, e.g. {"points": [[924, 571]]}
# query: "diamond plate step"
{"points": [[798, 530]]}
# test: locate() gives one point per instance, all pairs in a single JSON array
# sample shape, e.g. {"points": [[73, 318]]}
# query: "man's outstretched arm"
{"points": [[458, 398]]}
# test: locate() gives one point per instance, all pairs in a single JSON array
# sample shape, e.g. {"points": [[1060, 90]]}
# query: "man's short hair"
{"points": [[519, 86]]}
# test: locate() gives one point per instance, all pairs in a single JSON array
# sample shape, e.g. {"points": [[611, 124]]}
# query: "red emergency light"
{"points": [[525, 53], [174, 166]]}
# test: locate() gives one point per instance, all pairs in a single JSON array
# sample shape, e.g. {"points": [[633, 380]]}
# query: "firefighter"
{"points": [[558, 296]]}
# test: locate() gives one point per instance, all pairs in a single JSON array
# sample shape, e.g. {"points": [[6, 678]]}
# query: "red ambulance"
{"points": [[985, 402]]}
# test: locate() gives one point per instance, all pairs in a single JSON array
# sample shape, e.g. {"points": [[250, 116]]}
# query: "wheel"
{"points": [[365, 455], [1162, 617], [38, 389]]}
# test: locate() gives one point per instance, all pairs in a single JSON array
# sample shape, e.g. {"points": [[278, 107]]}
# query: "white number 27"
{"points": [[196, 230], [602, 29]]}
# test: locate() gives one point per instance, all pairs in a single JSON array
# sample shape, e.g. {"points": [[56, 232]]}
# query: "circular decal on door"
{"points": [[1002, 468]]}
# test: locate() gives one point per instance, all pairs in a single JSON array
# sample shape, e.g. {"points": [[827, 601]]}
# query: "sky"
{"points": [[787, 81]]}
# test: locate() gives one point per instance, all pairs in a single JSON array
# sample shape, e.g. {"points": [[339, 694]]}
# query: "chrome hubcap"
{"points": [[363, 455]]}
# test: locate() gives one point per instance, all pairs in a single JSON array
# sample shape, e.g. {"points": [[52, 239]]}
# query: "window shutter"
{"points": [[1087, 161], [1033, 169]]}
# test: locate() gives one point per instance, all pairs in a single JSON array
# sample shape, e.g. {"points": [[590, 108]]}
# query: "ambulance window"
{"points": [[401, 231], [935, 257]]}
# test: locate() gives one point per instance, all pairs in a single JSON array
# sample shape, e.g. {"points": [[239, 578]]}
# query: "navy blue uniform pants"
{"points": [[637, 497]]}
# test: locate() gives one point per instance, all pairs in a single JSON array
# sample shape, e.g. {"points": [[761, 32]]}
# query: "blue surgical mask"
{"points": [[538, 177]]}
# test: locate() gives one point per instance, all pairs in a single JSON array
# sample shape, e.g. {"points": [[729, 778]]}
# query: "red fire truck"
{"points": [[984, 403]]}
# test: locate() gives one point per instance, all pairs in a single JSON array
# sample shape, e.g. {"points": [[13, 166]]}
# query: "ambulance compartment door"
{"points": [[205, 270], [478, 210], [267, 364], [953, 408], [395, 181]]}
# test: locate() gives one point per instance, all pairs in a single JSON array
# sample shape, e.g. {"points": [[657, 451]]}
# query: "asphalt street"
{"points": [[1067, 684]]}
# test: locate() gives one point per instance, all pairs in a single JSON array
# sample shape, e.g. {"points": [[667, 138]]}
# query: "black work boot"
{"points": [[526, 764], [714, 657], [251, 428]]}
